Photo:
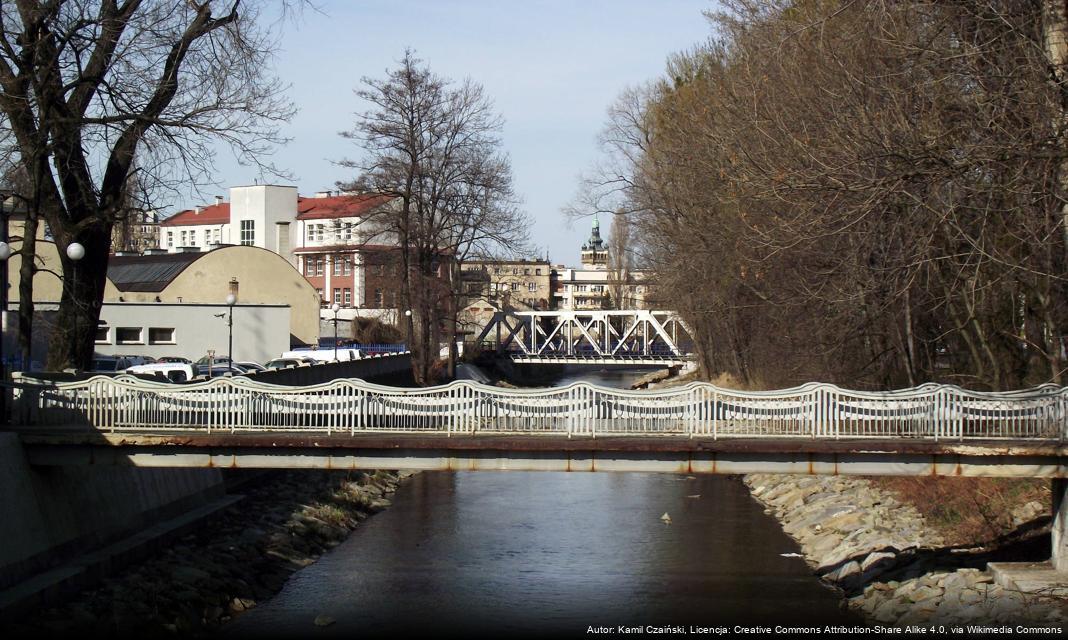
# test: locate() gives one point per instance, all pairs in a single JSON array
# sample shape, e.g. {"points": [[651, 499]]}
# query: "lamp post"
{"points": [[75, 251], [5, 253], [335, 308], [408, 326], [231, 300]]}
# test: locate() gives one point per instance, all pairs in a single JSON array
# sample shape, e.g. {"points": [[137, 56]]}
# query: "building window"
{"points": [[170, 239], [319, 266], [381, 269], [161, 335], [248, 232], [337, 295], [319, 292], [378, 298], [515, 286], [347, 231], [348, 266], [337, 265], [526, 271], [348, 297], [128, 335], [183, 244], [103, 335], [532, 286], [537, 272], [218, 236]]}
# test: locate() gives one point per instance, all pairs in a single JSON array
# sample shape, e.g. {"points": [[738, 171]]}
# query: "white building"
{"points": [[260, 331], [595, 285], [331, 238], [263, 216], [201, 227], [258, 216]]}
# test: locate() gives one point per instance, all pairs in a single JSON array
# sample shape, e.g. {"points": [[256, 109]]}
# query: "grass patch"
{"points": [[968, 511]]}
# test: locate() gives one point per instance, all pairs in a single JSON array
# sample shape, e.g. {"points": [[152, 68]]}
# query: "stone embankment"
{"points": [[241, 557], [890, 566]]}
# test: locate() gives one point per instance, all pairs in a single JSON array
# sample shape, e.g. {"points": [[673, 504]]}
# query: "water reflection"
{"points": [[536, 553]]}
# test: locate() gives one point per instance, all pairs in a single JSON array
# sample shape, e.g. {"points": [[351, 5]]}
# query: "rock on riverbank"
{"points": [[240, 557], [879, 553]]}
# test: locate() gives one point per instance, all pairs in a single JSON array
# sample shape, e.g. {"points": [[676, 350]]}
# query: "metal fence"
{"points": [[817, 411]]}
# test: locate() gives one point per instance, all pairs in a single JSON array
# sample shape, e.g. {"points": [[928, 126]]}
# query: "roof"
{"points": [[148, 273], [215, 214], [346, 248], [349, 206]]}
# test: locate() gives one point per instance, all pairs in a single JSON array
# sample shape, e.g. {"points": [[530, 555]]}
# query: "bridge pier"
{"points": [[1059, 529]]}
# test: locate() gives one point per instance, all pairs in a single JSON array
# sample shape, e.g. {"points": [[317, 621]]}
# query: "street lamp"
{"points": [[231, 300], [75, 251], [5, 253], [335, 308]]}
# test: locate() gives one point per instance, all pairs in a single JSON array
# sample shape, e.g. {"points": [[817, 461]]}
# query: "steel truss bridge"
{"points": [[636, 337]]}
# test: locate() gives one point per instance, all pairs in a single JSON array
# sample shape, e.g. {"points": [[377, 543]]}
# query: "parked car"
{"points": [[175, 359], [341, 354], [110, 364], [218, 371], [171, 371], [286, 363], [213, 361], [139, 360], [249, 367]]}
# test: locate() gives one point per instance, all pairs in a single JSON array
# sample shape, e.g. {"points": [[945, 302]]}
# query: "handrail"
{"points": [[697, 409]]}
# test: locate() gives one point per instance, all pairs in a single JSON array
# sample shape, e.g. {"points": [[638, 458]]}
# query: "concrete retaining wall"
{"points": [[51, 514]]}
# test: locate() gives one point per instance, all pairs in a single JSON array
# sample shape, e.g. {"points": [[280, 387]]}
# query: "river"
{"points": [[516, 553]]}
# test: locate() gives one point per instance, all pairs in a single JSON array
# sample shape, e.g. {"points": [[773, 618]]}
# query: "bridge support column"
{"points": [[1059, 531]]}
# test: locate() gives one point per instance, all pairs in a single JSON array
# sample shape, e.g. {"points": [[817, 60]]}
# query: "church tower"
{"points": [[595, 252]]}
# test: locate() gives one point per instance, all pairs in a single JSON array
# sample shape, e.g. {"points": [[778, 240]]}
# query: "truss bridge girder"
{"points": [[553, 336]]}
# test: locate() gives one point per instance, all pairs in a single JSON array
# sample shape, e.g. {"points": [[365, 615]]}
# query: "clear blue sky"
{"points": [[552, 68]]}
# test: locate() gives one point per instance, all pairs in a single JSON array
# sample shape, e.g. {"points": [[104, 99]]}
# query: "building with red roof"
{"points": [[336, 240]]}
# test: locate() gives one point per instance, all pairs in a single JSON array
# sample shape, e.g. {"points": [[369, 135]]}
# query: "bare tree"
{"points": [[89, 84], [621, 263], [435, 147], [821, 203]]}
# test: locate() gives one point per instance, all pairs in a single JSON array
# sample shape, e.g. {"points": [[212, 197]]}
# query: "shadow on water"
{"points": [[519, 553]]}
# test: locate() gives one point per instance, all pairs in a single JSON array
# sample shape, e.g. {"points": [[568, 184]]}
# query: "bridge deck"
{"points": [[669, 454]]}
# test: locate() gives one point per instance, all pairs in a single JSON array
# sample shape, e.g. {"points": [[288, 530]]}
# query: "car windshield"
{"points": [[214, 361], [105, 365]]}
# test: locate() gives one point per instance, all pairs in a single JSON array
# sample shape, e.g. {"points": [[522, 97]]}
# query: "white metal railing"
{"points": [[814, 410]]}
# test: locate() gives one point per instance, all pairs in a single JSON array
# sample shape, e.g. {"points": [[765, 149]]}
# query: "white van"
{"points": [[343, 354], [170, 371]]}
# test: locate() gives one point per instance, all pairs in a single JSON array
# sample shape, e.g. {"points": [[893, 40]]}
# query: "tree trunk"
{"points": [[26, 307], [1055, 30], [79, 306], [910, 341]]}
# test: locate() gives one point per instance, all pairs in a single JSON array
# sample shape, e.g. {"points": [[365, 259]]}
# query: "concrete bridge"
{"points": [[931, 430], [629, 337], [696, 428]]}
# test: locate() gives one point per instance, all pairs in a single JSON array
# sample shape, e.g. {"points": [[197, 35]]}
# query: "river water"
{"points": [[533, 554]]}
